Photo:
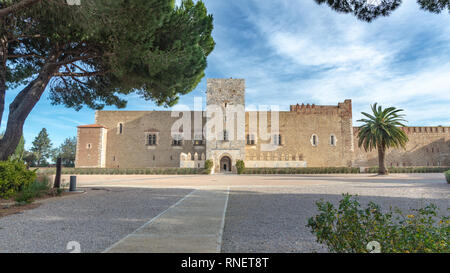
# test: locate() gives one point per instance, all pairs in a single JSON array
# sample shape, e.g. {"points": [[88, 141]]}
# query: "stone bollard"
{"points": [[73, 183]]}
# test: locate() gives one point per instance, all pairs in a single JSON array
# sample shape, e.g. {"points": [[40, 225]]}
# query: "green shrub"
{"points": [[349, 228], [33, 190], [14, 177], [240, 166], [208, 166], [301, 170], [410, 169], [447, 176]]}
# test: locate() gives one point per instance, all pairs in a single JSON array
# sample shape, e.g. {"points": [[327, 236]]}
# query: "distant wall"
{"points": [[297, 128], [427, 146], [130, 148], [91, 144]]}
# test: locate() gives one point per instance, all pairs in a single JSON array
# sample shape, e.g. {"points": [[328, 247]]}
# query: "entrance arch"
{"points": [[225, 164]]}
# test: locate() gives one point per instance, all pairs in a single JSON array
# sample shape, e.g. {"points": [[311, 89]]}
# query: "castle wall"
{"points": [[427, 146], [225, 94], [130, 148], [311, 135], [297, 128], [90, 146]]}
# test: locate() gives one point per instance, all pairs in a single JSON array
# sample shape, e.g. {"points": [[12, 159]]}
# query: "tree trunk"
{"points": [[21, 107], [3, 46], [57, 183], [382, 170]]}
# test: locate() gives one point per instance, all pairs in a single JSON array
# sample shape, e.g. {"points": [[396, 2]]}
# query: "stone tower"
{"points": [[225, 129]]}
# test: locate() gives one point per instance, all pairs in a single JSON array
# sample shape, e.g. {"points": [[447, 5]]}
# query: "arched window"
{"points": [[314, 140], [120, 128], [250, 139], [225, 135], [332, 140], [277, 140]]}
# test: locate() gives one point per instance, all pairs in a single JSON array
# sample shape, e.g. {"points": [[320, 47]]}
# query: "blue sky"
{"points": [[295, 51]]}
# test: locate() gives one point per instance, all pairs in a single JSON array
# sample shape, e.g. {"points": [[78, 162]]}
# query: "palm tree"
{"points": [[382, 131]]}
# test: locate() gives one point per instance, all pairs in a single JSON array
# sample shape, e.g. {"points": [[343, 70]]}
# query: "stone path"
{"points": [[194, 224]]}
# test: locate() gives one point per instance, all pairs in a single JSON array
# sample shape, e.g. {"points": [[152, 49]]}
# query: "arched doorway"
{"points": [[225, 164]]}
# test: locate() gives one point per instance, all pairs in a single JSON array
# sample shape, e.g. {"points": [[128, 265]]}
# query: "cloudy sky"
{"points": [[294, 51]]}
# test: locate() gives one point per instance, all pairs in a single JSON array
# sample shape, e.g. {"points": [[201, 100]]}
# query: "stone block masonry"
{"points": [[308, 135]]}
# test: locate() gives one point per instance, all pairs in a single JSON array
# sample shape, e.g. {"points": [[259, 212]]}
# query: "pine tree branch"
{"points": [[16, 7]]}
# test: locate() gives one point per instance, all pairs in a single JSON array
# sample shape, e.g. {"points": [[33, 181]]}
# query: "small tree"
{"points": [[42, 147], [29, 158], [382, 131], [66, 151], [209, 164], [240, 166]]}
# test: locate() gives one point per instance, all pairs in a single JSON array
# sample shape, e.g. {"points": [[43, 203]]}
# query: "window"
{"points": [[120, 128], [89, 146], [314, 140], [277, 139], [177, 140], [333, 140], [225, 135], [250, 139], [151, 139], [198, 140]]}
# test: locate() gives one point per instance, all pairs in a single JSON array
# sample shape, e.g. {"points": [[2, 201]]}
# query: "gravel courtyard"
{"points": [[263, 213]]}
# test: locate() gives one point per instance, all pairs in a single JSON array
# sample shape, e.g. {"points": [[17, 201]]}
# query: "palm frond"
{"points": [[382, 128]]}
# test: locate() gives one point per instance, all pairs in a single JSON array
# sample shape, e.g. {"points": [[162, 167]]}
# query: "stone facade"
{"points": [[306, 136], [225, 100], [427, 146]]}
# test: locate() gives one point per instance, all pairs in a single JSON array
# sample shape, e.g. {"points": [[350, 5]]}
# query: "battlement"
{"points": [[420, 130], [342, 109], [427, 129]]}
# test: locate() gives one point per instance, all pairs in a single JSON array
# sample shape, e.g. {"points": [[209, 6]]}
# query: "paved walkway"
{"points": [[194, 224]]}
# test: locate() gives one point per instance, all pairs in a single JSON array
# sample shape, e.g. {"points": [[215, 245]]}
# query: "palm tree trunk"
{"points": [[382, 170]]}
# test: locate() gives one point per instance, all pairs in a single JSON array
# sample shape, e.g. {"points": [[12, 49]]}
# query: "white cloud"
{"points": [[302, 52]]}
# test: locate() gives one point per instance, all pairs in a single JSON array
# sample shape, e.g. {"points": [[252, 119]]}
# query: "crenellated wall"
{"points": [[427, 146], [311, 135], [297, 128]]}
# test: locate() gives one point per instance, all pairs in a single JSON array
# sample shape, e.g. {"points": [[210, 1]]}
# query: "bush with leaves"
{"points": [[35, 189], [447, 176], [209, 164], [14, 177], [410, 169], [240, 166], [349, 228], [301, 170]]}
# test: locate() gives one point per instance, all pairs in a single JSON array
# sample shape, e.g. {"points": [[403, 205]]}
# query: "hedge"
{"points": [[447, 176], [147, 171], [307, 170], [14, 177], [410, 169], [240, 166]]}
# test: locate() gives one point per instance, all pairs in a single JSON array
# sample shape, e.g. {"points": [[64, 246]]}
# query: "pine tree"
{"points": [[369, 10], [42, 147], [95, 53], [67, 151]]}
